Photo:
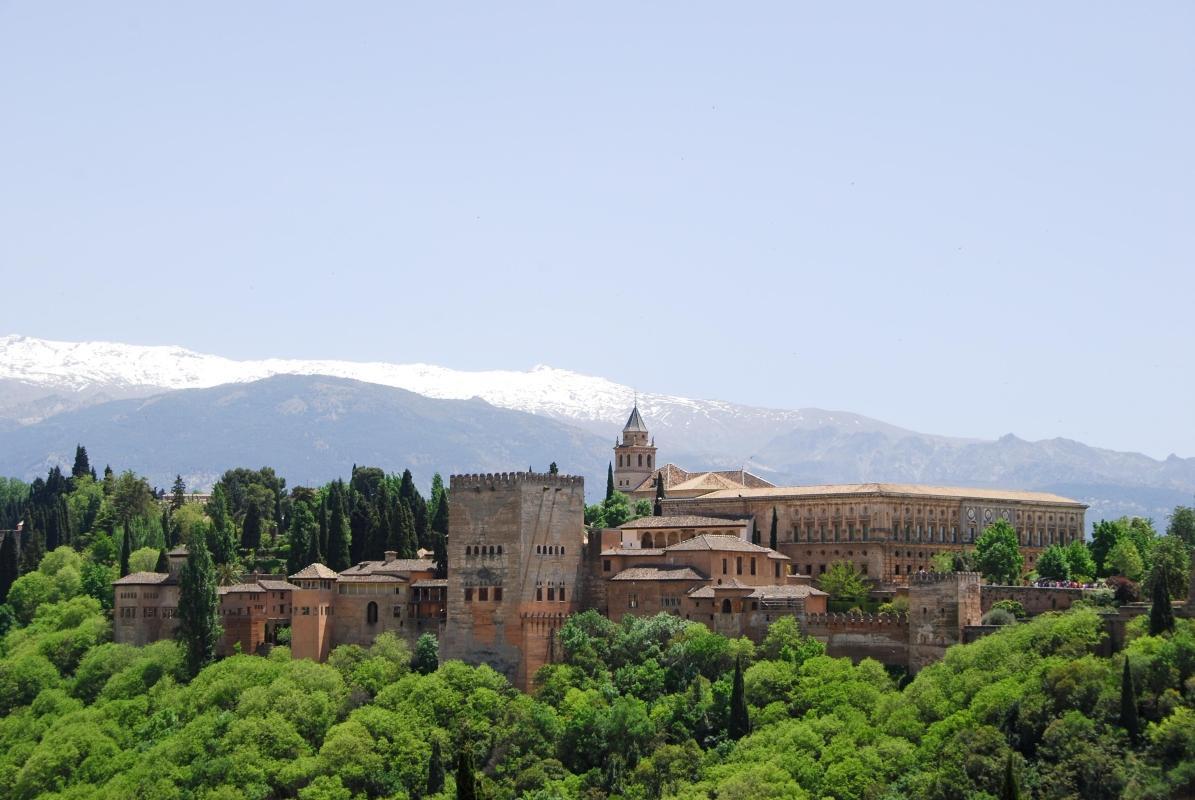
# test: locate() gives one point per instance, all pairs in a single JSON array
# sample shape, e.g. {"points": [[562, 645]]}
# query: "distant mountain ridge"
{"points": [[44, 383]]}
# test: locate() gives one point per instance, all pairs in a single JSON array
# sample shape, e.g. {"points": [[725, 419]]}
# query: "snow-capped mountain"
{"points": [[122, 370], [54, 394]]}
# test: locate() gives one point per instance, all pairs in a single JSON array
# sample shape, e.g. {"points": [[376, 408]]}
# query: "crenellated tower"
{"points": [[635, 455]]}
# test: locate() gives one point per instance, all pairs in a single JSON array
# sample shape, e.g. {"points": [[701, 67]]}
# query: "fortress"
{"points": [[520, 561]]}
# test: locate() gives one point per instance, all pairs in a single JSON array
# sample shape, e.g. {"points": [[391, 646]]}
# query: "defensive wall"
{"points": [[1035, 599]]}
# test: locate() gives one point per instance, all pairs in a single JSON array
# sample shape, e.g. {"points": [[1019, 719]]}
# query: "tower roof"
{"points": [[635, 422]]}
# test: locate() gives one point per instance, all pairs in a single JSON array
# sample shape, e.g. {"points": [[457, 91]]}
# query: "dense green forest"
{"points": [[649, 708]]}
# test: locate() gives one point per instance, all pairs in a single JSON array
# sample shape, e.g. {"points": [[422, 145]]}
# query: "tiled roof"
{"points": [[391, 567], [732, 583], [894, 489], [675, 478], [277, 586], [369, 577], [145, 578], [316, 570], [702, 592], [430, 583], [250, 588], [680, 521], [633, 551], [714, 541], [659, 574], [793, 590]]}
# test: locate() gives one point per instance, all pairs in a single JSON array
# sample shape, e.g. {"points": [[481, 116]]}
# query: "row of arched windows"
{"points": [[625, 460], [483, 550], [549, 549]]}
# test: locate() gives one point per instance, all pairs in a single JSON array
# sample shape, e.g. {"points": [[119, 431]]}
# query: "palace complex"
{"points": [[520, 561]]}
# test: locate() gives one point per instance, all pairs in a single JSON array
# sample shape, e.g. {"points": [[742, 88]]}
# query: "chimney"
{"points": [[391, 555]]}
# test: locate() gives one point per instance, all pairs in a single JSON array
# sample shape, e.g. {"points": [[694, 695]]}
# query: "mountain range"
{"points": [[167, 410]]}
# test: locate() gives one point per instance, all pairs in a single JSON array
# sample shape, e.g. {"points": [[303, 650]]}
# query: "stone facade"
{"points": [[634, 456], [515, 557]]}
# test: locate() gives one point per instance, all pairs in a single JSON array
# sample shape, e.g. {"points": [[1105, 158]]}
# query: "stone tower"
{"points": [[635, 455], [941, 604], [514, 568]]}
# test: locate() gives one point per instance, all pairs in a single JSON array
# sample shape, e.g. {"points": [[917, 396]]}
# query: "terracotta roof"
{"points": [[277, 586], [681, 521], [794, 590], [633, 551], [145, 578], [391, 567], [702, 592], [316, 570], [895, 489], [659, 574], [715, 541], [430, 583], [675, 477], [250, 588], [635, 422], [370, 577]]}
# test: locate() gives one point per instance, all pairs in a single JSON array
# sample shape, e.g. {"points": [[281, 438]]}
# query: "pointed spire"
{"points": [[635, 422]]}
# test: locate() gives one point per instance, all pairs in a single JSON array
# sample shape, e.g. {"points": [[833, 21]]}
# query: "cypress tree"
{"points": [[740, 722], [609, 481], [109, 480], [553, 469], [1161, 614], [163, 564], [772, 541], [125, 551], [338, 553], [9, 564], [178, 493], [658, 510], [1128, 704], [440, 554], [198, 623], [435, 770], [302, 527], [466, 784], [251, 528], [323, 524], [82, 465], [1010, 790], [439, 522]]}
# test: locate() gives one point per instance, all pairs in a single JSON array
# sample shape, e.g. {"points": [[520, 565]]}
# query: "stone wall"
{"points": [[1036, 600], [144, 613], [854, 636], [940, 606]]}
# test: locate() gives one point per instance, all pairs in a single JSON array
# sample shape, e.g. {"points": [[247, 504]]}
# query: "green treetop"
{"points": [[198, 622], [998, 554]]}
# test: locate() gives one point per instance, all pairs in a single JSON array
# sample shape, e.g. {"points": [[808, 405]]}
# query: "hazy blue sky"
{"points": [[964, 218]]}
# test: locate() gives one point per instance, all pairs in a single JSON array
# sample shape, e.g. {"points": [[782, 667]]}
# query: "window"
{"points": [[371, 614], [821, 569], [777, 570], [551, 593], [562, 594], [497, 594], [632, 601], [723, 566], [539, 592], [738, 565], [468, 594], [726, 606], [605, 565], [752, 565], [641, 459], [483, 594], [864, 569]]}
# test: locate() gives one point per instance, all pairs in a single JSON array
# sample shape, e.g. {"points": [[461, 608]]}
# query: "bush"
{"points": [[1013, 607], [999, 616]]}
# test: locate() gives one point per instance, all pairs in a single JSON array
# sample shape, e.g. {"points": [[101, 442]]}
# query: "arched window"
{"points": [[647, 540], [726, 606], [641, 459], [468, 550], [371, 614]]}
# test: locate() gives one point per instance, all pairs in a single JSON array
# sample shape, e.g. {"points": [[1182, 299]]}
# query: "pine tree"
{"points": [[82, 466], [1161, 614], [772, 541], [435, 770], [609, 481], [740, 722], [338, 553], [198, 623], [1128, 704], [9, 564], [178, 493], [466, 784], [1010, 790], [126, 549], [251, 528], [163, 564]]}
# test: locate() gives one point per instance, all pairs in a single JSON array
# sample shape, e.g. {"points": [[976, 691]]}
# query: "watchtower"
{"points": [[514, 568], [635, 455]]}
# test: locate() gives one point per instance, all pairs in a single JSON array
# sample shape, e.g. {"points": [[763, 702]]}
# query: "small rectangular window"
{"points": [[497, 594], [605, 565], [468, 594], [483, 594], [738, 565]]}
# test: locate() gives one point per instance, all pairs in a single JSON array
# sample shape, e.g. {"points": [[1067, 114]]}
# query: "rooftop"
{"points": [[678, 479], [238, 588], [391, 567], [659, 574], [635, 422], [786, 591], [317, 570], [145, 578], [633, 551], [895, 489], [719, 542]]}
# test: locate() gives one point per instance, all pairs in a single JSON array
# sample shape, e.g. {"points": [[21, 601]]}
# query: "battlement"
{"points": [[507, 480], [944, 577], [856, 621]]}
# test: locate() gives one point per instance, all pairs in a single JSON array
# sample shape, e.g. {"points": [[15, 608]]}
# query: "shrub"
{"points": [[999, 616]]}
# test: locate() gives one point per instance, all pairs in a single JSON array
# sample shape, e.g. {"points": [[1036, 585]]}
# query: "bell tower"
{"points": [[635, 455]]}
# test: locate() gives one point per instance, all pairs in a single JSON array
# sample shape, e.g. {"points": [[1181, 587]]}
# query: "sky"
{"points": [[965, 219]]}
